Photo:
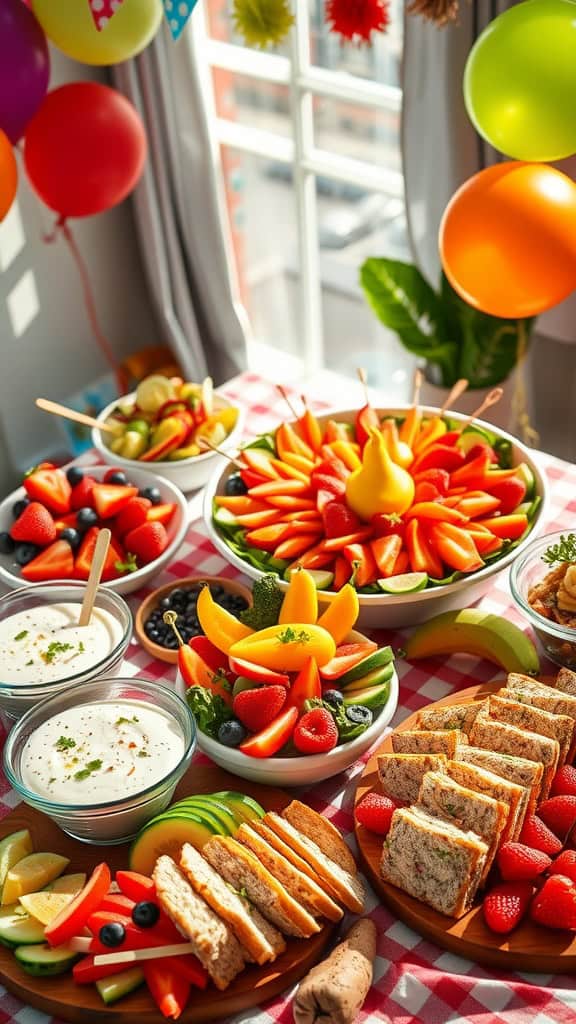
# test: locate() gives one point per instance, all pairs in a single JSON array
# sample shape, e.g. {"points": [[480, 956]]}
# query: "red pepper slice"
{"points": [[135, 886], [85, 971], [135, 937], [170, 991], [438, 456], [270, 740], [196, 672], [306, 686], [367, 419], [363, 563], [386, 551], [507, 527], [456, 547], [440, 478], [117, 903], [71, 920], [472, 474], [423, 558]]}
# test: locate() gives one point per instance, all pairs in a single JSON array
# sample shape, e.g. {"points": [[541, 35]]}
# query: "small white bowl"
{"points": [[176, 529], [187, 474]]}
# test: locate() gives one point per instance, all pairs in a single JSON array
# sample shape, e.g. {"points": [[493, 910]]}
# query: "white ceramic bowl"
{"points": [[392, 611], [187, 474], [177, 527], [306, 769]]}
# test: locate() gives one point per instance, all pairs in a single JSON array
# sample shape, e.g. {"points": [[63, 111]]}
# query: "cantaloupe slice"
{"points": [[31, 874], [167, 835], [45, 906]]}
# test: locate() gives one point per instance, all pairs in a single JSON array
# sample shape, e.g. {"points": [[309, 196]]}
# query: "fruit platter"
{"points": [[410, 507]]}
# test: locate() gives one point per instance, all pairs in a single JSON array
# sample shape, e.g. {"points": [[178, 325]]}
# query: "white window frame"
{"points": [[305, 81]]}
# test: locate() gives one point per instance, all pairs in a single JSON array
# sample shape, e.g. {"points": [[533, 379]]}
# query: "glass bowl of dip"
{"points": [[102, 758], [45, 651], [534, 584]]}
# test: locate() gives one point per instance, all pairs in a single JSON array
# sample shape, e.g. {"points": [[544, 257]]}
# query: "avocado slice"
{"points": [[370, 697], [383, 656], [374, 678]]}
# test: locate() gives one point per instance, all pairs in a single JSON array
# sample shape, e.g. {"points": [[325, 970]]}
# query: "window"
{"points": [[308, 137]]}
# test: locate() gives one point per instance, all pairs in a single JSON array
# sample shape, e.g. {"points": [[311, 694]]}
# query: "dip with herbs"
{"points": [[98, 753], [45, 643]]}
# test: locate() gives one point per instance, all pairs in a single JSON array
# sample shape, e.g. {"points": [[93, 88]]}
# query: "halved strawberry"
{"points": [[49, 486], [110, 499], [81, 496], [134, 513], [35, 526], [56, 562], [66, 522], [339, 519], [161, 513], [147, 542], [114, 558]]}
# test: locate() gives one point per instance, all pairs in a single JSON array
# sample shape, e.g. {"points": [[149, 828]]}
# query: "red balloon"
{"points": [[84, 150]]}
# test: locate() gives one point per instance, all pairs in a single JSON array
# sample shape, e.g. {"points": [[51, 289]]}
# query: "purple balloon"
{"points": [[24, 67]]}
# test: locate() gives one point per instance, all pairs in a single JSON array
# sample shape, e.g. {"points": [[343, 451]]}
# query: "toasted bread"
{"points": [[322, 832], [528, 774], [428, 741], [566, 681], [401, 774], [262, 941], [483, 781], [538, 695], [215, 945], [242, 870], [509, 739], [526, 716], [455, 716]]}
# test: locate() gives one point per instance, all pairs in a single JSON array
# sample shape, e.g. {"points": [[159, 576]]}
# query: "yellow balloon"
{"points": [[70, 26]]}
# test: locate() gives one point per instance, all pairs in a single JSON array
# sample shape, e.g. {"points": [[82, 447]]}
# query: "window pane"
{"points": [[380, 61], [252, 102], [365, 133]]}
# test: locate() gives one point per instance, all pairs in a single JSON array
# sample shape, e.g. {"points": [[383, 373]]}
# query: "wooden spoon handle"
{"points": [[418, 381], [458, 389], [491, 398], [98, 559], [77, 417]]}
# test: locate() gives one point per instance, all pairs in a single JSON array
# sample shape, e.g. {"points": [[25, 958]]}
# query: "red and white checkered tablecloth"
{"points": [[415, 982]]}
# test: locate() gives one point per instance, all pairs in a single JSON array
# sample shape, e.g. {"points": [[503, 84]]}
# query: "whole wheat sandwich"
{"points": [[401, 774], [483, 781], [454, 716], [528, 774], [566, 681], [509, 739], [539, 695], [428, 741], [526, 716], [322, 832]]}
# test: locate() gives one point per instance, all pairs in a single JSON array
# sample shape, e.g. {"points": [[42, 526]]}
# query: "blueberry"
{"points": [[235, 485], [19, 506], [231, 733], [145, 914], [86, 517], [112, 934], [24, 553], [72, 536], [359, 714], [177, 596], [74, 475], [152, 493], [7, 545], [118, 477], [165, 603], [333, 697]]}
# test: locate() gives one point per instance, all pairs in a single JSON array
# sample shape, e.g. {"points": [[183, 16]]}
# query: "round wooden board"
{"points": [[61, 997], [528, 948]]}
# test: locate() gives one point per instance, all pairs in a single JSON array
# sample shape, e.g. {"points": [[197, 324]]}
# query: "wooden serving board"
{"points": [[529, 948], [61, 997]]}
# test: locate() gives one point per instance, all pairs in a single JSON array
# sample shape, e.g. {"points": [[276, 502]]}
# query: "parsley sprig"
{"points": [[564, 551], [293, 636], [54, 649], [64, 743], [84, 773]]}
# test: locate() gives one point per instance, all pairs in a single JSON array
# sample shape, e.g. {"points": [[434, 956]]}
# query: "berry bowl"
{"points": [[279, 479], [65, 544]]}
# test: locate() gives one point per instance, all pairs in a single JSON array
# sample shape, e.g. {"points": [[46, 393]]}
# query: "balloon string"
{"points": [[61, 227]]}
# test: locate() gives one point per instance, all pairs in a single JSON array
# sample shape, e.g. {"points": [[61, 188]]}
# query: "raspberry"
{"points": [[564, 782], [375, 812], [258, 707], [555, 904], [559, 814], [565, 865], [536, 834], [505, 905], [519, 863], [316, 732]]}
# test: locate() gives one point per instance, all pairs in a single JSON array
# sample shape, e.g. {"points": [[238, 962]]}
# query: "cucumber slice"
{"points": [[322, 578], [406, 583], [527, 476], [45, 960], [470, 437], [17, 928], [242, 806], [119, 985], [224, 517]]}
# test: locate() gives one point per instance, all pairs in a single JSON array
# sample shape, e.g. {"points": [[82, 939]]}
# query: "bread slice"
{"points": [[454, 716], [469, 810], [528, 774], [487, 782], [347, 888], [429, 741], [303, 888], [509, 739], [215, 944], [262, 941], [433, 861], [322, 832], [401, 774], [241, 869], [566, 681], [538, 695], [526, 716]]}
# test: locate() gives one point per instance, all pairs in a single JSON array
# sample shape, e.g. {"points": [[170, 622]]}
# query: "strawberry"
{"points": [[161, 513], [35, 525], [559, 814], [316, 732], [375, 812], [565, 864], [564, 782], [109, 499], [147, 542], [438, 477], [510, 492], [384, 524], [537, 835], [85, 554], [328, 482], [555, 904], [81, 496], [519, 863], [257, 708], [339, 519], [50, 486], [134, 513], [505, 904], [56, 562]]}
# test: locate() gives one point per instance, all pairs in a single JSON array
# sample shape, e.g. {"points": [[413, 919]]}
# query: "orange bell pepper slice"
{"points": [[339, 543], [422, 556], [386, 551], [311, 430], [507, 527], [275, 487], [456, 547], [477, 503], [436, 511], [306, 686], [362, 560], [240, 504], [291, 547], [268, 537], [287, 440]]}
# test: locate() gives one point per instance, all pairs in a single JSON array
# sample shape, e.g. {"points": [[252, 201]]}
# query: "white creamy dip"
{"points": [[101, 752], [45, 643]]}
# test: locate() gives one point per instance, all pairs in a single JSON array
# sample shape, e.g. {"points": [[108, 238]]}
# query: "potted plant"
{"points": [[453, 338]]}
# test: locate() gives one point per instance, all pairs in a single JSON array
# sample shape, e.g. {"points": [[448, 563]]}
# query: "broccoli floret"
{"points": [[267, 598]]}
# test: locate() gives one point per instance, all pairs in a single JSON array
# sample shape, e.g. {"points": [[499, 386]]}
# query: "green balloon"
{"points": [[520, 81]]}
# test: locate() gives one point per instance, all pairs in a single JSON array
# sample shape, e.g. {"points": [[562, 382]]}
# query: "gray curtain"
{"points": [[178, 208]]}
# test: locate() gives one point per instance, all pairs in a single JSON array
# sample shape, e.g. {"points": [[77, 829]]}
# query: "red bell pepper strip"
{"points": [[422, 556], [117, 903], [456, 547], [135, 886], [386, 551], [507, 527], [342, 572], [170, 991], [402, 563], [366, 419], [188, 967], [195, 672], [477, 503], [426, 491], [510, 493], [305, 686], [85, 971], [436, 511], [363, 563], [71, 920], [331, 464], [252, 479], [438, 456], [270, 740], [472, 474], [135, 937], [451, 437]]}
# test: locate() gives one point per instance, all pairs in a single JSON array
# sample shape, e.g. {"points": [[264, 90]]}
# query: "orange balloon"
{"points": [[508, 239], [8, 175]]}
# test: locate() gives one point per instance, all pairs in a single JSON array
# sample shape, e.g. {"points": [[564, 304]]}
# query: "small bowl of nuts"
{"points": [[543, 585]]}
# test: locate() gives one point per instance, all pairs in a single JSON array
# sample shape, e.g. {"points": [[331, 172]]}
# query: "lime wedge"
{"points": [[406, 583], [322, 578]]}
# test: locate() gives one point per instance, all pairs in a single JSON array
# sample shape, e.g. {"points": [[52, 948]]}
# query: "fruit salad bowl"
{"points": [[166, 497], [396, 598]]}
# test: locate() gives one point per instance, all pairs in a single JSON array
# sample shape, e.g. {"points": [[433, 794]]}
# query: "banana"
{"points": [[472, 631]]}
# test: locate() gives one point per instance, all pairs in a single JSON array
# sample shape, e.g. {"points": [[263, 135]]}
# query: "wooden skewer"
{"points": [[98, 559], [203, 442], [491, 398], [284, 394], [458, 389], [364, 382], [418, 381], [78, 417]]}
